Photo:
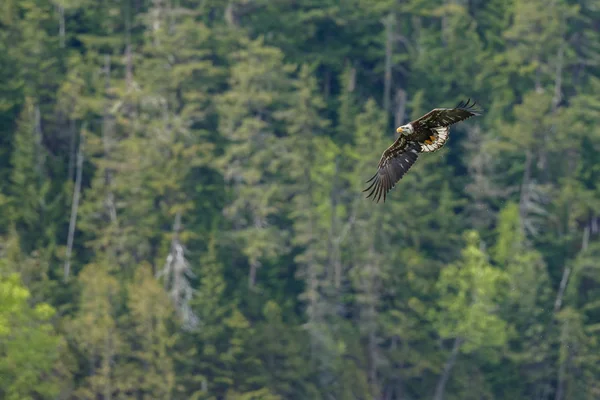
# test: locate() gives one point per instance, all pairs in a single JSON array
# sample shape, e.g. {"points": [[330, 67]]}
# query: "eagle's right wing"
{"points": [[444, 117], [395, 161]]}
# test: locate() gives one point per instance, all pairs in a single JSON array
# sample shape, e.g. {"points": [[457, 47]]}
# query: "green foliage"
{"points": [[223, 248], [469, 293], [94, 331], [33, 202], [253, 155], [30, 347], [150, 369]]}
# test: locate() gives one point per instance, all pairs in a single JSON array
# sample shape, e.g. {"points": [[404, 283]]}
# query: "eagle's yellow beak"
{"points": [[399, 130]]}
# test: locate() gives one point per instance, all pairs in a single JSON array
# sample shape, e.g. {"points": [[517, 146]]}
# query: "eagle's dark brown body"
{"points": [[424, 135]]}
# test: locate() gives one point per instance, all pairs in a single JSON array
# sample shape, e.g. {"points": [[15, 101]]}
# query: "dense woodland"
{"points": [[181, 214]]}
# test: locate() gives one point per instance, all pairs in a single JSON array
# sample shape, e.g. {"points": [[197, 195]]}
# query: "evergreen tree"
{"points": [[34, 202], [95, 334], [150, 369], [212, 154], [251, 160]]}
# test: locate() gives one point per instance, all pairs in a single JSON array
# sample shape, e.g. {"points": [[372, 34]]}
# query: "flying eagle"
{"points": [[424, 135]]}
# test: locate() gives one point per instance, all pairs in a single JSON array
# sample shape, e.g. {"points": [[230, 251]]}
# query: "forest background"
{"points": [[181, 214]]}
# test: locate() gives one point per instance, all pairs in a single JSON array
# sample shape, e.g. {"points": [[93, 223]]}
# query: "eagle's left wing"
{"points": [[395, 161]]}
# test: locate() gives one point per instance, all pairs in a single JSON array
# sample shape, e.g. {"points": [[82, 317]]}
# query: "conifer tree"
{"points": [[252, 158], [150, 368], [34, 201], [96, 335]]}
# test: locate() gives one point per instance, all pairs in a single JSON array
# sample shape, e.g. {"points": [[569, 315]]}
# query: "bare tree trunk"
{"points": [[176, 272], [312, 299], [156, 13], [396, 386], [230, 17], [444, 30], [312, 270], [337, 262], [441, 386], [417, 24], [389, 23], [400, 107], [128, 56], [337, 235], [585, 241], [560, 389], [174, 244], [373, 359], [252, 274], [332, 251], [561, 289], [107, 142], [108, 355], [352, 80], [368, 286], [556, 99], [129, 67], [254, 263], [524, 200], [557, 305], [61, 26], [39, 136], [74, 207], [538, 76], [72, 150]]}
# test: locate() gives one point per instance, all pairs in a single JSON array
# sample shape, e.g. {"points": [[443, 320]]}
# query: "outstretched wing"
{"points": [[395, 161], [444, 117]]}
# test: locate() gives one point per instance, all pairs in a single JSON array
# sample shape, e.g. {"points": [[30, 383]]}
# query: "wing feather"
{"points": [[441, 134], [448, 116], [394, 163]]}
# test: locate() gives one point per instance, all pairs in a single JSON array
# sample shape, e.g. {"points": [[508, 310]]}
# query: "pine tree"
{"points": [[149, 372], [526, 306], [252, 156], [201, 371], [95, 333], [34, 202], [369, 271], [282, 348], [308, 167]]}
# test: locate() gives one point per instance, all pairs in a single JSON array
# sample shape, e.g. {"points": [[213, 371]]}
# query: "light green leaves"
{"points": [[469, 291], [29, 347]]}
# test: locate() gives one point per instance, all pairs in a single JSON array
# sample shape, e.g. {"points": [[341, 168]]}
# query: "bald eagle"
{"points": [[424, 135]]}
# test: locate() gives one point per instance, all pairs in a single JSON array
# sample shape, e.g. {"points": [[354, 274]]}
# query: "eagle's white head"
{"points": [[405, 129]]}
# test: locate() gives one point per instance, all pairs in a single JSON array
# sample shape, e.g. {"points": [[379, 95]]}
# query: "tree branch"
{"points": [[389, 23], [441, 386]]}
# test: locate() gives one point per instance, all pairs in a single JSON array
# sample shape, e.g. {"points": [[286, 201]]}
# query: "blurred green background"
{"points": [[181, 214]]}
